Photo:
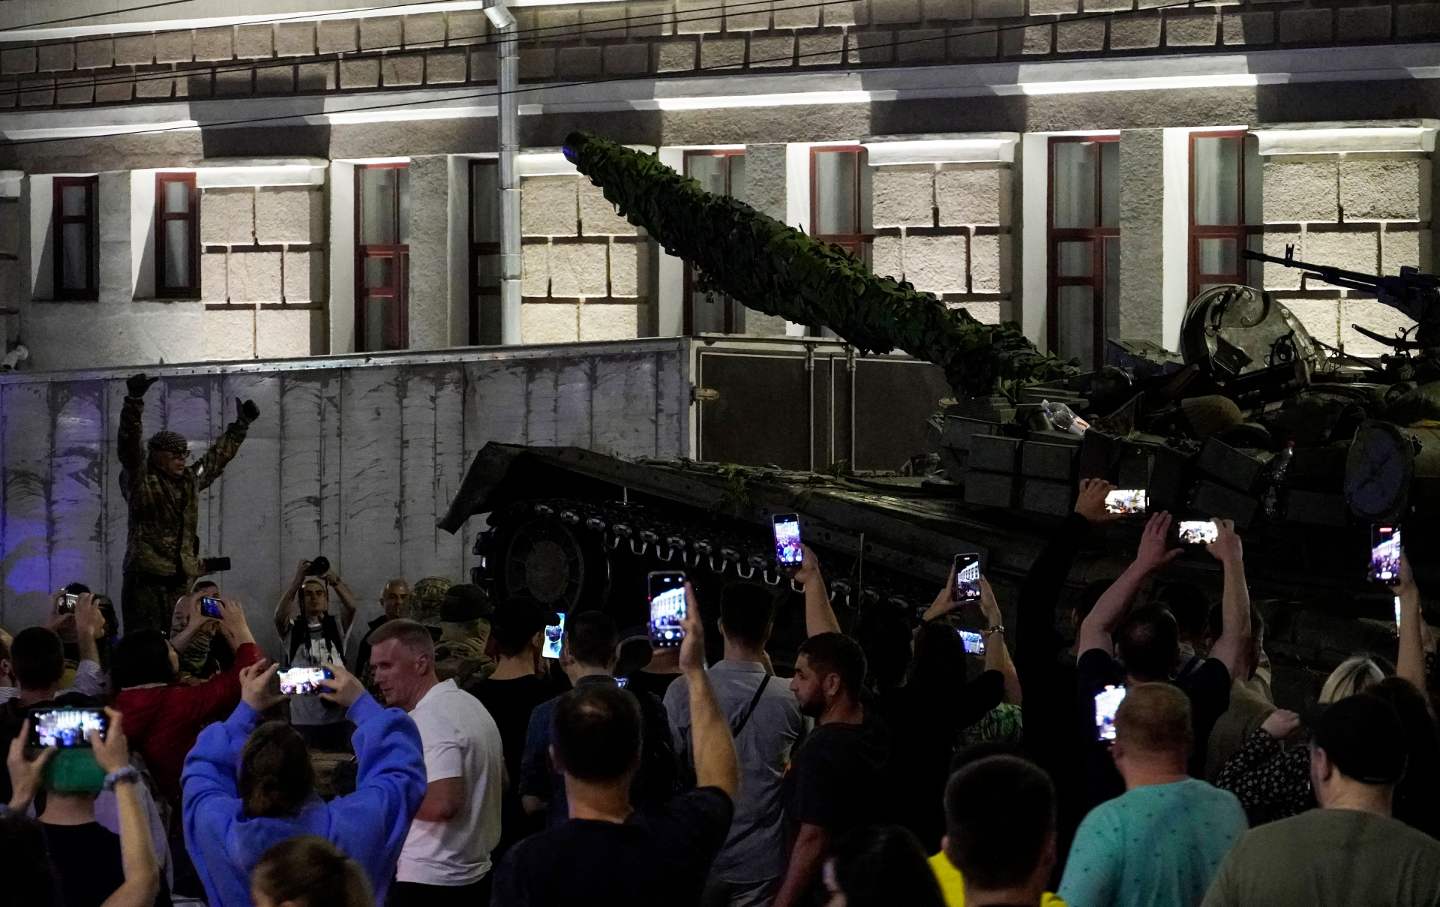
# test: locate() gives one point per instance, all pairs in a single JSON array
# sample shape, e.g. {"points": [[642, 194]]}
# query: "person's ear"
{"points": [[1321, 768], [538, 640], [830, 684]]}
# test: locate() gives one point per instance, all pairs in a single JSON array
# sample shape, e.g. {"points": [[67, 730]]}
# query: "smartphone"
{"points": [[622, 682], [974, 643], [66, 728], [1107, 702], [554, 636], [210, 607], [68, 601], [304, 681], [967, 579], [789, 553], [1385, 554], [1127, 501], [1198, 532], [667, 608]]}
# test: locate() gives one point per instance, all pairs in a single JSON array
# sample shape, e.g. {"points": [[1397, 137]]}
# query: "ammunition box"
{"points": [[994, 453], [989, 489], [1048, 461], [1214, 500], [1229, 465], [1041, 496]]}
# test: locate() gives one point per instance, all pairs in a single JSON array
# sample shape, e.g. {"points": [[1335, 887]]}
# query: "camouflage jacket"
{"points": [[460, 653], [164, 510]]}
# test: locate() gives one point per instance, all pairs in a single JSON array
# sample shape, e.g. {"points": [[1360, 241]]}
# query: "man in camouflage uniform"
{"points": [[162, 551], [464, 636]]}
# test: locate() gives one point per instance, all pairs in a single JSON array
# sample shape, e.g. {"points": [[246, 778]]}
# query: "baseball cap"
{"points": [[464, 602], [524, 617], [1363, 737]]}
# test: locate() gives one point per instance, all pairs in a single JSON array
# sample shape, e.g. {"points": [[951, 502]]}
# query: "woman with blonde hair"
{"points": [[1271, 777], [308, 872]]}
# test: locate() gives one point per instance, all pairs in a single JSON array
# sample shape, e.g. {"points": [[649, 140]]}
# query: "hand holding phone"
{"points": [[1126, 501], [304, 681], [1385, 551], [210, 607], [966, 573], [789, 550], [667, 608], [66, 728], [973, 642], [67, 603], [554, 637], [1198, 532], [1107, 703]]}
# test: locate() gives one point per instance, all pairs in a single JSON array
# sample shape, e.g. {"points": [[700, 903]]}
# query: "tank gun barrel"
{"points": [[778, 270]]}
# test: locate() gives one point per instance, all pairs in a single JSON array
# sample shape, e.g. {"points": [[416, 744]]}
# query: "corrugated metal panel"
{"points": [[353, 458]]}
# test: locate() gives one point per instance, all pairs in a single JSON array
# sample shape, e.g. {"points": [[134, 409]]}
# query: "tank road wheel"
{"points": [[543, 560]]}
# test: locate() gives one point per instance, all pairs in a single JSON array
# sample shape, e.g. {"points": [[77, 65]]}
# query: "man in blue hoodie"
{"points": [[248, 786]]}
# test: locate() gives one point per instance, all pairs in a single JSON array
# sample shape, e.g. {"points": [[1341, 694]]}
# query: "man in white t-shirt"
{"points": [[446, 859]]}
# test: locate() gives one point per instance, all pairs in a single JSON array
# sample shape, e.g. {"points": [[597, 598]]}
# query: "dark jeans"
{"points": [[413, 894], [147, 600]]}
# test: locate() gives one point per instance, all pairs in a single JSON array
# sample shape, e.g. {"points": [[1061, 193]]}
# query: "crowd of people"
{"points": [[449, 763]]}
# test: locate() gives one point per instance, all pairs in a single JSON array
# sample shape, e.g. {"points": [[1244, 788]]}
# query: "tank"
{"points": [[1253, 420]]}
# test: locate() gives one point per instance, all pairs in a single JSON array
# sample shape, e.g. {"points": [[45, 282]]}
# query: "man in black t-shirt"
{"points": [[606, 853], [1149, 645], [835, 782]]}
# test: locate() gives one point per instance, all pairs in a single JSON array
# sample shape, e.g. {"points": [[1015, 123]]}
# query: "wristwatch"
{"points": [[126, 774], [998, 628]]}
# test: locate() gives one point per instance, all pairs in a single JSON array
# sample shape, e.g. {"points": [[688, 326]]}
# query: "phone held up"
{"points": [[973, 642], [1107, 703], [967, 579], [554, 636], [667, 607], [210, 607], [1127, 501], [66, 728], [789, 552], [1385, 554], [304, 681], [1198, 532], [68, 601]]}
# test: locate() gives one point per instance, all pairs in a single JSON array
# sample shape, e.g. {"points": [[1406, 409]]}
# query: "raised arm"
{"points": [[1234, 642], [137, 850], [1040, 593], [714, 748], [1109, 611], [187, 607], [347, 601], [1411, 661], [819, 616], [286, 608], [209, 467], [209, 700], [997, 652], [128, 441]]}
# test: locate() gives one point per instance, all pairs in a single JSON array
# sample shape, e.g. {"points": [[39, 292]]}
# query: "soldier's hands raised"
{"points": [[246, 411], [137, 385]]}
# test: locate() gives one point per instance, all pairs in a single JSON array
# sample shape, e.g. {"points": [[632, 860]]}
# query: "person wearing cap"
{"points": [[162, 550], [427, 601], [464, 635], [1350, 850], [314, 638]]}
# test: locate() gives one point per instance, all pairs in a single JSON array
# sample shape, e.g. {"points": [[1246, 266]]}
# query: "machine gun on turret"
{"points": [[1415, 294]]}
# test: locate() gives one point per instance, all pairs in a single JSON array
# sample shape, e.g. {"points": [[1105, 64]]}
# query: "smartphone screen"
{"points": [[65, 728], [788, 550], [622, 682], [554, 636], [68, 601], [1126, 501], [667, 608], [303, 681], [210, 607], [974, 643], [1198, 532], [967, 578], [1385, 554], [1107, 702]]}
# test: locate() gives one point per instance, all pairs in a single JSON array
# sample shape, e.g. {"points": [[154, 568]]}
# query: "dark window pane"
{"points": [[379, 272], [708, 170], [708, 312], [836, 203], [75, 274], [377, 198], [381, 328], [403, 228], [1254, 209], [1217, 256], [737, 175], [486, 202], [177, 254], [177, 197], [1072, 185], [1110, 184], [487, 271], [1074, 259], [1111, 299], [1217, 181], [1075, 324], [73, 200]]}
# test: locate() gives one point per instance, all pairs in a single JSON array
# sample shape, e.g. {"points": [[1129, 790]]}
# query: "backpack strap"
{"points": [[750, 709]]}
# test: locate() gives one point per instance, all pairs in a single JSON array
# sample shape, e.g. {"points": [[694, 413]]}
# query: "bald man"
{"points": [[394, 604]]}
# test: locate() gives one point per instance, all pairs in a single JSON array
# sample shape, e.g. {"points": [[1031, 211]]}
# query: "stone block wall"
{"points": [[262, 270], [946, 230], [586, 272], [1360, 212]]}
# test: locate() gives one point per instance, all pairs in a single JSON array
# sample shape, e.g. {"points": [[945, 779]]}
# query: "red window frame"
{"points": [[858, 243], [397, 253], [1098, 237], [482, 292], [90, 219], [1240, 233], [162, 217], [734, 320]]}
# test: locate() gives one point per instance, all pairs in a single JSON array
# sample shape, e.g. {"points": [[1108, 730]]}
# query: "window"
{"points": [[1224, 202], [382, 256], [836, 198], [1084, 246], [723, 173], [177, 236], [76, 237], [484, 252]]}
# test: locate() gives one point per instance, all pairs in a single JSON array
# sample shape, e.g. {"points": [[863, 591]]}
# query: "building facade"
{"points": [[181, 184]]}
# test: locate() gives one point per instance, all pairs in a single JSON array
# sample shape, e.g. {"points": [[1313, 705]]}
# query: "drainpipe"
{"points": [[507, 51]]}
